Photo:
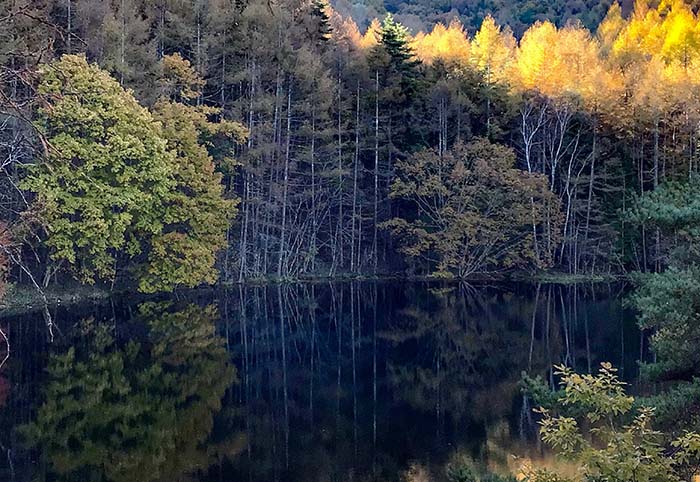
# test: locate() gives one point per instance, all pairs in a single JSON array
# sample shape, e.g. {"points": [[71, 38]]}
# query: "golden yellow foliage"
{"points": [[610, 28], [646, 63], [493, 51], [371, 36], [449, 44]]}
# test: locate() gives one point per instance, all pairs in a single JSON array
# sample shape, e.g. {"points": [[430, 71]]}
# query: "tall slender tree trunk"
{"points": [[198, 6], [244, 228], [657, 249], [269, 214], [69, 26], [285, 186], [375, 251], [122, 53], [591, 181], [341, 179], [314, 220], [356, 161]]}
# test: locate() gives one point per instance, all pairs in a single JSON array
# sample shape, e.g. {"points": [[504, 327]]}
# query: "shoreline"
{"points": [[21, 299]]}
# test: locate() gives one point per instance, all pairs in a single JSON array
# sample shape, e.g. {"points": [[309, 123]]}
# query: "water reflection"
{"points": [[357, 381], [336, 382], [140, 410]]}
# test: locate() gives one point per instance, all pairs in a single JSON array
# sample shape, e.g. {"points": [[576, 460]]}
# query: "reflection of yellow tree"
{"points": [[143, 411]]}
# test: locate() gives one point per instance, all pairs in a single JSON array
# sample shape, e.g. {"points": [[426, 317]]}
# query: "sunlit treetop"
{"points": [[493, 50], [648, 60], [371, 36], [446, 43]]}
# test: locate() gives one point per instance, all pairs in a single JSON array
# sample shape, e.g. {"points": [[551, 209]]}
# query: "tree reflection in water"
{"points": [[338, 381], [358, 381], [139, 410]]}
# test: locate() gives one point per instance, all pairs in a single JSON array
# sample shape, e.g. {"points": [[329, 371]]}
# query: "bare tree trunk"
{"points": [[285, 185], [314, 221], [69, 29], [591, 182], [123, 44], [353, 262], [657, 248], [244, 228], [198, 6], [375, 252], [339, 228]]}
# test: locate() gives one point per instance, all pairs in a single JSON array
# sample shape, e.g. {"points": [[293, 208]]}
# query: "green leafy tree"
{"points": [[610, 441], [123, 187], [474, 209], [99, 192], [196, 214]]}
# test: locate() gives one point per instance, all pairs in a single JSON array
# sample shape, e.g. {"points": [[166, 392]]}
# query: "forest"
{"points": [[155, 145], [176, 144]]}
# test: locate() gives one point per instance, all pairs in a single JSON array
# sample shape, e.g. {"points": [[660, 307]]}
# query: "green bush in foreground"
{"points": [[610, 441]]}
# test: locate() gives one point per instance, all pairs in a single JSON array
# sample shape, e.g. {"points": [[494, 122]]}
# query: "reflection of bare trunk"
{"points": [[547, 338], [312, 304], [565, 322], [339, 338], [375, 301], [588, 344], [246, 369], [622, 346], [283, 329], [354, 368], [532, 330], [6, 339], [438, 393]]}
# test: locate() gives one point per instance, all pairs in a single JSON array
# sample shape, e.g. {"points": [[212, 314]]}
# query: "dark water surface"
{"points": [[324, 382]]}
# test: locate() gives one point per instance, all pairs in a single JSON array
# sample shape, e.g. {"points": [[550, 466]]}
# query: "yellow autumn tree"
{"points": [[371, 36], [533, 62], [493, 51], [449, 44], [559, 64], [610, 28], [681, 41]]}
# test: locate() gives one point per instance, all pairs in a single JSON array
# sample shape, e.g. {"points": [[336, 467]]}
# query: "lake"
{"points": [[304, 382]]}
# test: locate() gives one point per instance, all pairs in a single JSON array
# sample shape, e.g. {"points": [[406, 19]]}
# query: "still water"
{"points": [[308, 382]]}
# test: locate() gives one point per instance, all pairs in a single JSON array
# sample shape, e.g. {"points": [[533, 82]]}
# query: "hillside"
{"points": [[519, 14]]}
